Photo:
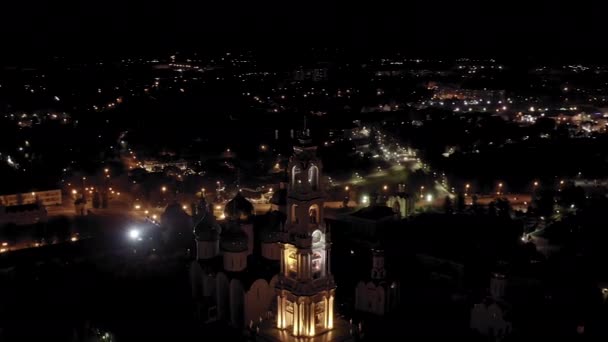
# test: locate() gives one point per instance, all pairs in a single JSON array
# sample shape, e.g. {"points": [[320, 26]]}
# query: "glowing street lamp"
{"points": [[385, 187], [346, 188], [134, 234], [163, 189]]}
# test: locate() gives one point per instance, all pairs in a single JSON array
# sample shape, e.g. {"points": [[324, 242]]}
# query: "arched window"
{"points": [[316, 236], [313, 177], [397, 207], [295, 174], [294, 213], [313, 214]]}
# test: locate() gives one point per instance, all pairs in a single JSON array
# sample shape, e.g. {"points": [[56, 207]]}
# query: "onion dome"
{"points": [[207, 229], [200, 209], [174, 208], [234, 239], [238, 208]]}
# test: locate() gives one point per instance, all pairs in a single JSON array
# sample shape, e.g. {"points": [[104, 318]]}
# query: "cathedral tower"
{"points": [[306, 288]]}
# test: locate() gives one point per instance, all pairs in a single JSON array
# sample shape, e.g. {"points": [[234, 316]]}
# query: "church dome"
{"points": [[207, 229], [238, 208], [173, 209], [234, 239]]}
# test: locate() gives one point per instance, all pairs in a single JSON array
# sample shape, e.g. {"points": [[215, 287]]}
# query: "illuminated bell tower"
{"points": [[306, 288]]}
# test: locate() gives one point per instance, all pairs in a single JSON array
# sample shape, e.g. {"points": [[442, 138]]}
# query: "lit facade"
{"points": [[47, 197], [305, 287]]}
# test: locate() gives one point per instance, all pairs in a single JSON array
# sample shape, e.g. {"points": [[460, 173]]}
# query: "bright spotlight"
{"points": [[134, 234]]}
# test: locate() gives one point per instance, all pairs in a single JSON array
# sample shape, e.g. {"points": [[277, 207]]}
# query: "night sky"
{"points": [[458, 27]]}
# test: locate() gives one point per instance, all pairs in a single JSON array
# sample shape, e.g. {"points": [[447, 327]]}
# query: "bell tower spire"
{"points": [[306, 288]]}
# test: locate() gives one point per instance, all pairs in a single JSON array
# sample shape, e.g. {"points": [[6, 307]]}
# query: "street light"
{"points": [[346, 188], [134, 234], [385, 187]]}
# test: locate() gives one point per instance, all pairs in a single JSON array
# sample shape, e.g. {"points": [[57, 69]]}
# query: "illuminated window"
{"points": [[313, 214], [313, 177], [294, 213], [295, 174]]}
